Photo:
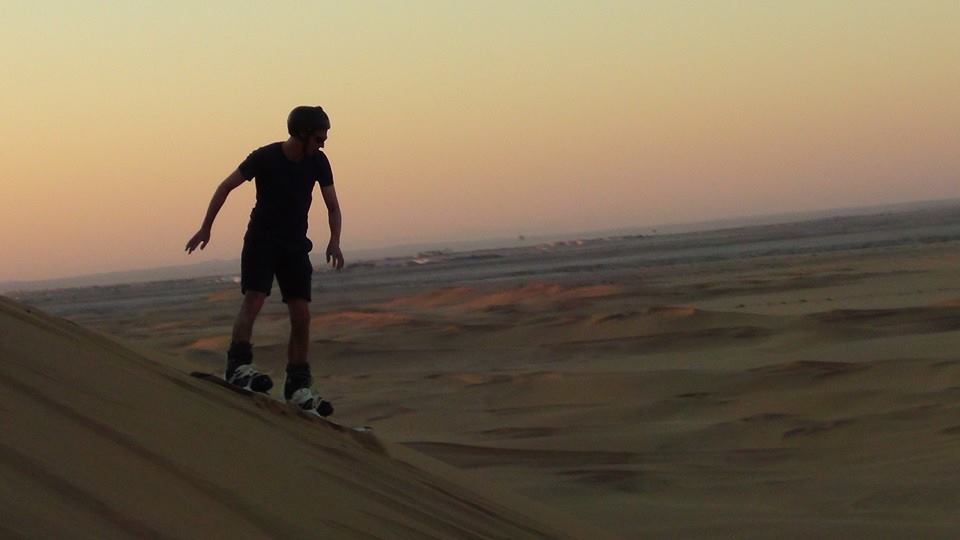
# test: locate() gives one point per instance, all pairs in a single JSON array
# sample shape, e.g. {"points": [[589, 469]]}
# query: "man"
{"points": [[276, 243]]}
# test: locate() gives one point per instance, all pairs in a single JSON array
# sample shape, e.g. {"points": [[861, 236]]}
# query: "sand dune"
{"points": [[101, 442], [667, 392], [469, 298], [360, 318]]}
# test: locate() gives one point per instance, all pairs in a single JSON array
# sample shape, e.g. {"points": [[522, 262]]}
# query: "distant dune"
{"points": [[98, 441], [229, 268]]}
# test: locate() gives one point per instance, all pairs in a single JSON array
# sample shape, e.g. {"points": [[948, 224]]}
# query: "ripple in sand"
{"points": [[519, 432], [211, 343], [376, 319], [814, 368], [625, 480], [812, 428]]}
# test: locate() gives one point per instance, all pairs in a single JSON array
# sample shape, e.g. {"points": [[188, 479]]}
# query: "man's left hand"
{"points": [[334, 255]]}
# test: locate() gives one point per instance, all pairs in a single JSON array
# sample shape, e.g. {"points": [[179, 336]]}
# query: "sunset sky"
{"points": [[462, 120]]}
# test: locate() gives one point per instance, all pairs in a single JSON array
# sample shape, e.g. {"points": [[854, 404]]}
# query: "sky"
{"points": [[462, 120]]}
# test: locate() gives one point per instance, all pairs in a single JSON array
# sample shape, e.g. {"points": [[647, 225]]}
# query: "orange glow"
{"points": [[457, 121]]}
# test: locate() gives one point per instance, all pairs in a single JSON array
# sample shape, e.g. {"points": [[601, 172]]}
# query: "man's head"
{"points": [[309, 126]]}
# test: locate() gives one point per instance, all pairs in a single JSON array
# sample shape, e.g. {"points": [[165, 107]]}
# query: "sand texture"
{"points": [[788, 381], [101, 442]]}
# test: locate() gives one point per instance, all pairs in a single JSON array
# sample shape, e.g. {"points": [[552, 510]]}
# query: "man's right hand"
{"points": [[201, 238]]}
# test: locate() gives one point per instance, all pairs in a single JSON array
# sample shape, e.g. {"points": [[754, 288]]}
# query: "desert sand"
{"points": [[790, 381], [101, 442]]}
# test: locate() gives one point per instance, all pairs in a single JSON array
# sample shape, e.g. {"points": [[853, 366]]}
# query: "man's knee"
{"points": [[252, 303], [299, 313]]}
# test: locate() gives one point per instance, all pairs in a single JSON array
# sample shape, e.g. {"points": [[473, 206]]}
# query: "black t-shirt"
{"points": [[284, 193]]}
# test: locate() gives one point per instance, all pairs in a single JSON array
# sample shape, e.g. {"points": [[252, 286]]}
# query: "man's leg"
{"points": [[256, 280], [241, 350], [298, 369], [243, 326], [298, 383], [293, 275], [299, 330]]}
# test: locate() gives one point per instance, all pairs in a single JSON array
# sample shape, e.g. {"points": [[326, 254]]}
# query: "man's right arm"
{"points": [[219, 197]]}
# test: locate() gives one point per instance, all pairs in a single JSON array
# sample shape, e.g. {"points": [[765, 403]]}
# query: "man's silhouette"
{"points": [[276, 244]]}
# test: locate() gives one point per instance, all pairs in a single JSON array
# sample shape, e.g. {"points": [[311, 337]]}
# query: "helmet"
{"points": [[306, 119]]}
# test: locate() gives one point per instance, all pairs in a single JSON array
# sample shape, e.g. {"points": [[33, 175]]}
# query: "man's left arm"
{"points": [[334, 255]]}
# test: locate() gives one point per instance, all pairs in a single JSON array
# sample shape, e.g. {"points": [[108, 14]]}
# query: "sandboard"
{"points": [[268, 402]]}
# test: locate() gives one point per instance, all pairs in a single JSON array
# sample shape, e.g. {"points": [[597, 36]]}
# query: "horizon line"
{"points": [[692, 226]]}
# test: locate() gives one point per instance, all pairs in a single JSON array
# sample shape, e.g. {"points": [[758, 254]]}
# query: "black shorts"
{"points": [[261, 260]]}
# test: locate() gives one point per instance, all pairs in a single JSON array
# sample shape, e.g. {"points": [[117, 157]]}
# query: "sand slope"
{"points": [[98, 441], [809, 390]]}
